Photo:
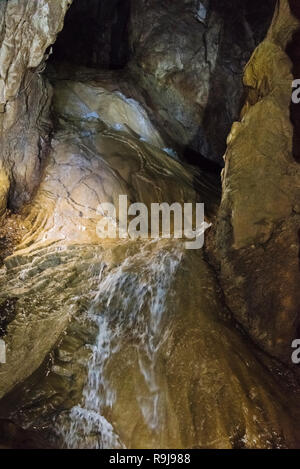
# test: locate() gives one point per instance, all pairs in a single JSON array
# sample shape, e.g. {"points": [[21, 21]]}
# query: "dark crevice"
{"points": [[196, 159], [245, 25], [293, 51], [95, 34]]}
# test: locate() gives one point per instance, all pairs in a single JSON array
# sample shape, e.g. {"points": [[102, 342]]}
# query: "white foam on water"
{"points": [[130, 303]]}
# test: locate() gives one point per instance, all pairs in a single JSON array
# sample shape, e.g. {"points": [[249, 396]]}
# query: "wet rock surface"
{"points": [[93, 160], [116, 315], [27, 29], [258, 222], [14, 437], [113, 379], [137, 343]]}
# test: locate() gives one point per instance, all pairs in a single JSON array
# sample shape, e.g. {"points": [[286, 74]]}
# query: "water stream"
{"points": [[143, 352], [128, 306]]}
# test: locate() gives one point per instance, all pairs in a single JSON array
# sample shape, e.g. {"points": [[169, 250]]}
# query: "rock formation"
{"points": [[141, 343], [27, 29], [194, 80], [258, 222]]}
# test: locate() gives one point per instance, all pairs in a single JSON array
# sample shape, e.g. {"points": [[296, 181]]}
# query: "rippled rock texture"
{"points": [[135, 343], [91, 161]]}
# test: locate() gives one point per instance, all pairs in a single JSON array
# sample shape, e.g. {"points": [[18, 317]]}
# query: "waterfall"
{"points": [[129, 305]]}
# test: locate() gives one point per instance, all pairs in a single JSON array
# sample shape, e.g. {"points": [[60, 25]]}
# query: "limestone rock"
{"points": [[90, 162], [258, 223], [137, 341], [129, 342], [25, 139], [27, 29], [194, 79], [23, 47], [83, 102]]}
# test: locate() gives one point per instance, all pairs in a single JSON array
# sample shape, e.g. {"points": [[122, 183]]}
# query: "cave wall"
{"points": [[189, 71], [189, 58], [257, 236], [293, 51], [27, 29]]}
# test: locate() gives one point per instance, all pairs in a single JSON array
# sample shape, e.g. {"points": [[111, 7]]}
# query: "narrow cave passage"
{"points": [[170, 63], [95, 34]]}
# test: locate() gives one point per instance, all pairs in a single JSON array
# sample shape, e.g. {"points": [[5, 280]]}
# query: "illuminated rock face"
{"points": [[187, 79], [91, 161], [27, 29], [130, 343], [258, 222]]}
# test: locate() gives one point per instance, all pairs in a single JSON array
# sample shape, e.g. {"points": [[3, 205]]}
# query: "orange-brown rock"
{"points": [[257, 236]]}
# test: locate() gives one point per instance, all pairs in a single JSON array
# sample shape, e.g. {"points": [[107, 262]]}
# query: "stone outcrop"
{"points": [[4, 188], [27, 29], [257, 236], [14, 437], [293, 51], [194, 80], [123, 318]]}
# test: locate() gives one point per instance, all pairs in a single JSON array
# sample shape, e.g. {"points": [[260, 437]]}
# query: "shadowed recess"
{"points": [[95, 34]]}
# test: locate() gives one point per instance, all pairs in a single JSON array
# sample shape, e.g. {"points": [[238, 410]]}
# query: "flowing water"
{"points": [[129, 305], [131, 340]]}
